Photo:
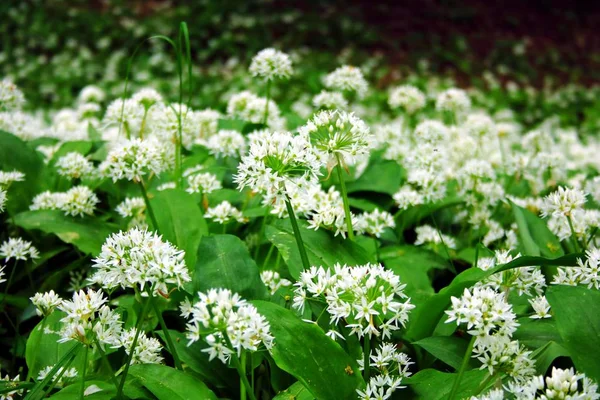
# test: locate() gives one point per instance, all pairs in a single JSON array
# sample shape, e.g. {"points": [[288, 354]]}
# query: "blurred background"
{"points": [[53, 48]]}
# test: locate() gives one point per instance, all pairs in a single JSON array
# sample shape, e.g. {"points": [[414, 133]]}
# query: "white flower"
{"points": [[138, 258], [207, 124], [147, 97], [127, 113], [226, 143], [91, 94], [14, 394], [525, 280], [586, 273], [428, 234], [563, 202], [18, 249], [131, 207], [11, 97], [203, 183], [79, 201], [347, 78], [541, 307], [147, 349], [45, 303], [274, 281], [3, 199], [133, 159], [48, 201], [561, 384], [7, 178], [65, 375], [374, 222], [227, 323], [75, 165], [330, 101], [251, 108], [453, 100], [270, 64], [224, 212], [407, 97]]}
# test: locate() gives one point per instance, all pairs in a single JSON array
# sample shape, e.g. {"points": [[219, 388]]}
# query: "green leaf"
{"points": [[381, 176], [449, 349], [87, 234], [534, 234], [106, 391], [169, 384], [224, 262], [303, 350], [16, 155], [295, 392], [180, 221], [536, 333], [545, 356], [79, 146], [414, 215], [575, 309], [322, 248], [430, 384]]}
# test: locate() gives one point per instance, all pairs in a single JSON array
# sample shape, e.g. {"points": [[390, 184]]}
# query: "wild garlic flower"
{"points": [[498, 353], [541, 307], [407, 197], [140, 259], [135, 209], [14, 394], [347, 78], [270, 64], [561, 384], [65, 375], [249, 107], [391, 366], [48, 201], [79, 201], [330, 101], [337, 134], [273, 281], [563, 202], [427, 234], [365, 297], [587, 273], [147, 349], [485, 312], [480, 127], [18, 249], [453, 100], [3, 199], [226, 143], [276, 162], [227, 323], [326, 210], [494, 394], [8, 177], [431, 131], [91, 94], [374, 222], [525, 280], [203, 183], [583, 222], [90, 320], [11, 97], [224, 213], [206, 123], [147, 97], [136, 158], [407, 97], [75, 166], [45, 303], [163, 123], [124, 112]]}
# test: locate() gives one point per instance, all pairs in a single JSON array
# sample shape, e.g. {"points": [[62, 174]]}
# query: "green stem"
{"points": [[178, 144], [463, 367], [266, 116], [573, 236], [65, 361], [345, 198], [367, 358], [148, 206], [299, 242], [143, 124], [138, 329], [168, 339], [268, 257], [243, 373], [108, 366], [83, 371], [446, 249], [261, 233]]}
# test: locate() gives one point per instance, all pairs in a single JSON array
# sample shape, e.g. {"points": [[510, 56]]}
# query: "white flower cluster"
{"points": [[135, 209], [347, 78], [45, 303], [453, 100], [374, 222], [337, 134], [330, 101], [11, 97], [365, 297], [65, 375], [77, 201], [249, 107], [6, 179], [270, 64], [273, 281], [490, 319], [525, 280], [204, 182], [147, 349], [226, 143], [392, 366], [140, 259], [75, 166], [586, 273], [18, 249], [407, 97], [563, 202], [136, 158], [13, 394], [3, 199], [91, 94], [227, 323], [224, 213]]}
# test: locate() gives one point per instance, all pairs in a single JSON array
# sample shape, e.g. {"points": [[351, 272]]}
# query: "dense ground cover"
{"points": [[293, 227]]}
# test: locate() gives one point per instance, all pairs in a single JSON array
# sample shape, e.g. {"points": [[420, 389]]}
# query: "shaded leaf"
{"points": [[167, 383]]}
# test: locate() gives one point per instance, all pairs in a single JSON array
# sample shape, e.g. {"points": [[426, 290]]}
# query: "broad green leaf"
{"points": [[180, 221], [80, 146], [381, 176], [575, 309], [303, 350], [449, 349], [545, 356], [224, 262], [424, 319], [295, 392], [430, 384], [322, 248], [15, 154], [169, 384], [534, 234], [536, 333], [87, 234], [414, 215], [99, 390]]}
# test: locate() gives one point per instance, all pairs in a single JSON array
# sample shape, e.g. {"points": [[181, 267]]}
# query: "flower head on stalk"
{"points": [[391, 366], [270, 64], [18, 249], [349, 79], [136, 158], [227, 323], [408, 98], [140, 259], [45, 303]]}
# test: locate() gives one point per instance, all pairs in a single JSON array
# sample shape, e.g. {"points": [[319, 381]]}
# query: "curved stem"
{"points": [[138, 329], [463, 367], [345, 198], [168, 339], [83, 371], [148, 206], [299, 242], [367, 358]]}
